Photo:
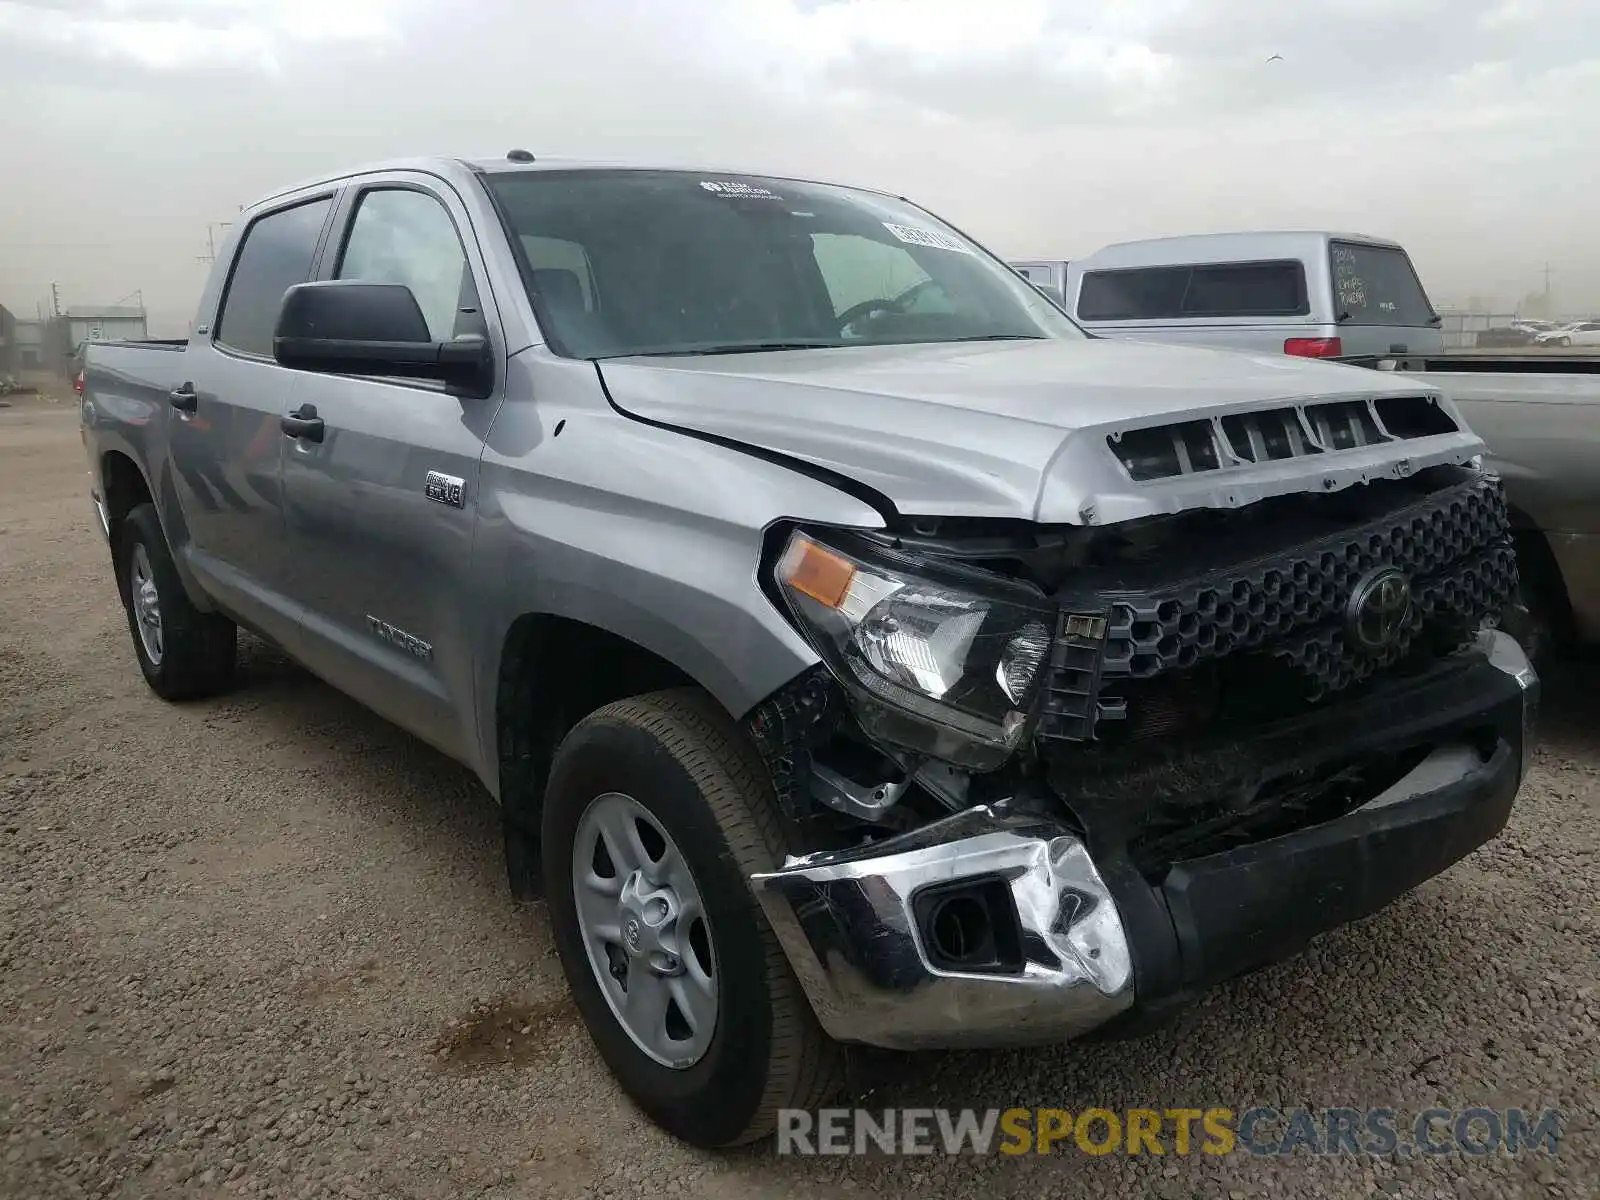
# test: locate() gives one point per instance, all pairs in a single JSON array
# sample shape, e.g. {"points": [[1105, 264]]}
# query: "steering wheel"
{"points": [[857, 311]]}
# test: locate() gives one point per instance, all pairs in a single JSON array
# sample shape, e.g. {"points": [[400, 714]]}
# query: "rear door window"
{"points": [[276, 254], [1377, 285], [1210, 290]]}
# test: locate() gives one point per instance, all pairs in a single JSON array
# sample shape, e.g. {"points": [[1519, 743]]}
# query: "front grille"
{"points": [[1125, 628], [1244, 439]]}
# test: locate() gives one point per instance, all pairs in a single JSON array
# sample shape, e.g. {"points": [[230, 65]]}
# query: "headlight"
{"points": [[936, 663]]}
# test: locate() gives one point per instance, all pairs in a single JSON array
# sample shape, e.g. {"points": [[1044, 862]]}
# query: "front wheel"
{"points": [[1538, 616], [656, 813]]}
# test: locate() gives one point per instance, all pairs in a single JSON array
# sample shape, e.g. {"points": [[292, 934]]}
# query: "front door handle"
{"points": [[184, 398], [303, 423]]}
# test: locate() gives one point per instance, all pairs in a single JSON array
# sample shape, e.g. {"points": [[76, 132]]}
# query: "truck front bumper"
{"points": [[1075, 942]]}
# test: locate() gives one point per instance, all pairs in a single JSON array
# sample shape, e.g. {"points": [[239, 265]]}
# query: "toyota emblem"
{"points": [[1379, 612]]}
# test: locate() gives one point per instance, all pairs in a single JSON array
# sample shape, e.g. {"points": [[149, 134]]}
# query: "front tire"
{"points": [[1538, 617], [184, 653], [656, 813]]}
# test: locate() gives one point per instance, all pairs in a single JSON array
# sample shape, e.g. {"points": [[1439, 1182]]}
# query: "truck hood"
{"points": [[1020, 429]]}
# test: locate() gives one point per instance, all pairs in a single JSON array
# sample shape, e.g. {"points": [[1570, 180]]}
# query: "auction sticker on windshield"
{"points": [[736, 190], [931, 238]]}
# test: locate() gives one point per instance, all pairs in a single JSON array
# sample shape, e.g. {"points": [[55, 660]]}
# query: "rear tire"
{"points": [[184, 653], [678, 760]]}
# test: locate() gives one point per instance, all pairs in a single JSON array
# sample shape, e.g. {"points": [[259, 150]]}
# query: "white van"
{"points": [[1048, 275], [1319, 295]]}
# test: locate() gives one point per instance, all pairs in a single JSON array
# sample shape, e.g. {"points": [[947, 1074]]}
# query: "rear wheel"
{"points": [[657, 811], [184, 653]]}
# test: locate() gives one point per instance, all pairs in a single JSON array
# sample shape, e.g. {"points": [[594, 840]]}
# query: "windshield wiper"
{"points": [[1001, 337], [746, 348]]}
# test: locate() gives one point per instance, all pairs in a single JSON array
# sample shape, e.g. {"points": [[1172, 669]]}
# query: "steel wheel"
{"points": [[146, 604], [645, 931]]}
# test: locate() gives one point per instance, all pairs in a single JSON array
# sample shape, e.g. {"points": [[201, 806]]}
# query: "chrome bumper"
{"points": [[846, 921], [849, 922]]}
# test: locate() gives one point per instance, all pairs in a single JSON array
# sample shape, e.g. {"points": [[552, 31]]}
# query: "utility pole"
{"points": [[211, 240], [55, 300], [1548, 311]]}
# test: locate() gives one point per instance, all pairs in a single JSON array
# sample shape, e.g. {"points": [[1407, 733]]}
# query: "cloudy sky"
{"points": [[1464, 128]]}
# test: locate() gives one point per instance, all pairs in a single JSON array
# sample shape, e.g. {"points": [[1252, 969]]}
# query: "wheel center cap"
{"points": [[648, 919]]}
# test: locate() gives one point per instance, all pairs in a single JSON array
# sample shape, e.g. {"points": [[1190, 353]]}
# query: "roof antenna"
{"points": [[518, 156]]}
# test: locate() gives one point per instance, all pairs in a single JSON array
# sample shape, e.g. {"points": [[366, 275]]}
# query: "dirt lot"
{"points": [[262, 946]]}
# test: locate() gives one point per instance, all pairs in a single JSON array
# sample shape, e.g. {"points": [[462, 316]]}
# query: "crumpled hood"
{"points": [[1014, 429]]}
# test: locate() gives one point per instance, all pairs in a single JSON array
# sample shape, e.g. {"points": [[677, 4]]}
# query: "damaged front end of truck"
{"points": [[1059, 780]]}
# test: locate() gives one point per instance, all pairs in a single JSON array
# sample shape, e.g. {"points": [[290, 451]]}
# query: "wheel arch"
{"points": [[123, 487], [552, 671], [1538, 566]]}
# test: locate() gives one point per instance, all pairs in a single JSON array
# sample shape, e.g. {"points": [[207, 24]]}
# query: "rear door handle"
{"points": [[303, 423], [184, 398]]}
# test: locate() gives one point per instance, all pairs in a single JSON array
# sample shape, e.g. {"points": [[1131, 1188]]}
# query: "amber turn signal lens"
{"points": [[820, 574]]}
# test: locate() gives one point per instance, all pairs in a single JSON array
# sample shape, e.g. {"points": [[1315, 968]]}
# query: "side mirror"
{"points": [[351, 327]]}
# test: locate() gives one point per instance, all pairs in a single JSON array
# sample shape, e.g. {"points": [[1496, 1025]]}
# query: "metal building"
{"points": [[102, 323]]}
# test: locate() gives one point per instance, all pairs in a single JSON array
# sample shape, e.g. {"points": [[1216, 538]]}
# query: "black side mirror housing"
{"points": [[352, 327]]}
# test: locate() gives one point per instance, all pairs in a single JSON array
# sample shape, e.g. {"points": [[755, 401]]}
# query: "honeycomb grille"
{"points": [[1454, 546]]}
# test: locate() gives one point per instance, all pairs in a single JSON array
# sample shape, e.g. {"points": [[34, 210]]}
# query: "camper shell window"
{"points": [[1208, 290]]}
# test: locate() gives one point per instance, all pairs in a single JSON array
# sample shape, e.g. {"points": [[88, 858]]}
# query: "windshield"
{"points": [[665, 262], [1376, 285]]}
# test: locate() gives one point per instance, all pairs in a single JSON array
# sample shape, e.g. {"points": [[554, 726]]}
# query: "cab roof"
{"points": [[455, 168]]}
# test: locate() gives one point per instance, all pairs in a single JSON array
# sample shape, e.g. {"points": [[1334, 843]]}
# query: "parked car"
{"points": [[1504, 336], [858, 652], [1540, 417], [1315, 295], [1579, 333]]}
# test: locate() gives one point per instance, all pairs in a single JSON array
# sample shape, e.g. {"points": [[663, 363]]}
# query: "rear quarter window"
{"points": [[1201, 291], [1377, 285]]}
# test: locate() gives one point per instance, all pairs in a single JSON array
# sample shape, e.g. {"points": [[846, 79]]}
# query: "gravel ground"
{"points": [[262, 946]]}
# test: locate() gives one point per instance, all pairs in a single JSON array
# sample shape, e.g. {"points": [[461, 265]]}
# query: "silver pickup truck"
{"points": [[1539, 415], [858, 652]]}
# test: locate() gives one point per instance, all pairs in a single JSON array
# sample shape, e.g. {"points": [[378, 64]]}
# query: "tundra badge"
{"points": [[446, 489], [399, 637]]}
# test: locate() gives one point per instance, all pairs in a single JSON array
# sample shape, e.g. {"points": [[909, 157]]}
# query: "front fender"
{"points": [[651, 535]]}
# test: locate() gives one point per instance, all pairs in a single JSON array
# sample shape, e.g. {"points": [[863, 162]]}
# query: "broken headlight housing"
{"points": [[941, 661]]}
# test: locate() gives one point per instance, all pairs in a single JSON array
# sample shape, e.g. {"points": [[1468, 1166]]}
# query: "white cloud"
{"points": [[1462, 127], [168, 35]]}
